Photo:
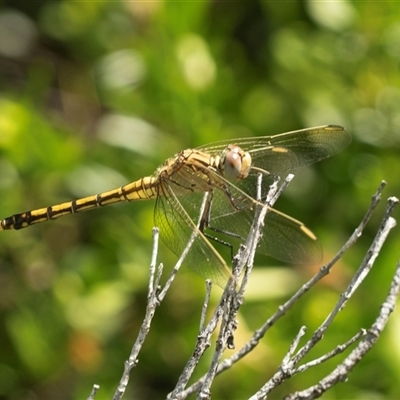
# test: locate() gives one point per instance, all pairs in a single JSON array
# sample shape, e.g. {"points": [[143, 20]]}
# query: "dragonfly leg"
{"points": [[227, 233], [205, 223], [224, 242], [220, 241]]}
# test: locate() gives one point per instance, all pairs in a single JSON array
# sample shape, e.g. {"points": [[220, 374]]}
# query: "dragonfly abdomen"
{"points": [[23, 220], [142, 189]]}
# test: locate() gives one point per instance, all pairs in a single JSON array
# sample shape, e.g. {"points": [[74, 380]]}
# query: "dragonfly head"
{"points": [[235, 162]]}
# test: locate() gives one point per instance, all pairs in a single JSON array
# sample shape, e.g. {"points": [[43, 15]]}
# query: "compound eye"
{"points": [[236, 163]]}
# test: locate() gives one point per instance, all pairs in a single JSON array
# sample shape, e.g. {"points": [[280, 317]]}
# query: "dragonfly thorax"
{"points": [[235, 163]]}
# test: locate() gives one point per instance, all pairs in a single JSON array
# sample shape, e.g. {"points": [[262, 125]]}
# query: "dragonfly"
{"points": [[226, 172]]}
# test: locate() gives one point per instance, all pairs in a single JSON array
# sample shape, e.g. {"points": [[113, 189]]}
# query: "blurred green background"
{"points": [[95, 94]]}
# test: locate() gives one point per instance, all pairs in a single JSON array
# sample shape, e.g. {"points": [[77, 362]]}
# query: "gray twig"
{"points": [[289, 368], [225, 313], [339, 374], [386, 225], [95, 389]]}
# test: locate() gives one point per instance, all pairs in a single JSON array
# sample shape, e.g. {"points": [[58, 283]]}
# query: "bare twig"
{"points": [[95, 389], [225, 312], [152, 303], [153, 262], [387, 224], [154, 298], [205, 304], [339, 349], [289, 368], [339, 374], [252, 343], [224, 315]]}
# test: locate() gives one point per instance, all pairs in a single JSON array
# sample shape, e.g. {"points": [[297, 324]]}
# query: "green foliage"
{"points": [[96, 94]]}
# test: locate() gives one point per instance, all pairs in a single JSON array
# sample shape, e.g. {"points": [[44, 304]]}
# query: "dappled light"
{"points": [[97, 94]]}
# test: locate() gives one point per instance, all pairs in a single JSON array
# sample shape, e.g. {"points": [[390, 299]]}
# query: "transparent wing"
{"points": [[232, 212], [284, 237], [232, 209], [291, 150], [177, 228]]}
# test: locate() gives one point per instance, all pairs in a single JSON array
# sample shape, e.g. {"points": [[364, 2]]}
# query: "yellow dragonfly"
{"points": [[226, 171]]}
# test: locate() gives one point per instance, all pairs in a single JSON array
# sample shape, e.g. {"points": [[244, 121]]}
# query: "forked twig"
{"points": [[339, 374], [324, 270], [226, 310], [224, 316], [289, 367], [152, 303]]}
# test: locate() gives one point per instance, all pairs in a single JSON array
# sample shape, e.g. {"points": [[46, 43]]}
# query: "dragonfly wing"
{"points": [[289, 240], [288, 151], [284, 238], [177, 229], [291, 150]]}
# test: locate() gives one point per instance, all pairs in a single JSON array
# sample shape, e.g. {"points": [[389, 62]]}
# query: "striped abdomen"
{"points": [[142, 189]]}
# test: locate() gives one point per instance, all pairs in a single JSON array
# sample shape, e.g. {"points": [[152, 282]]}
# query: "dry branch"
{"points": [[224, 316]]}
